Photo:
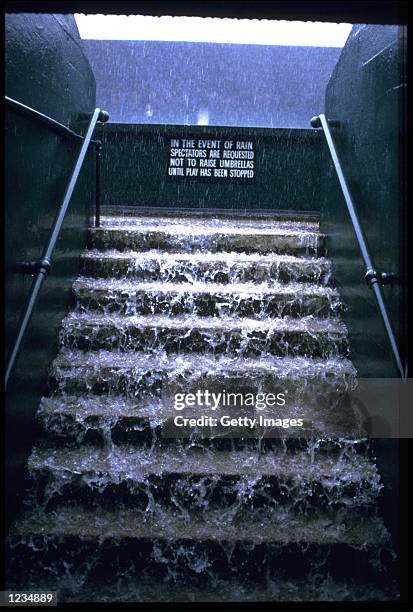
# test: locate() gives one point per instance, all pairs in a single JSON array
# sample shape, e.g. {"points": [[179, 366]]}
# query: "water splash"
{"points": [[171, 305]]}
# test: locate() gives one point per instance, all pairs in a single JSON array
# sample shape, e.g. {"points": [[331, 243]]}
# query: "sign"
{"points": [[211, 158]]}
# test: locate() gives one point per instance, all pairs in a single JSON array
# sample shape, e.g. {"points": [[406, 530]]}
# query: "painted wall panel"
{"points": [[47, 70], [288, 164], [366, 95]]}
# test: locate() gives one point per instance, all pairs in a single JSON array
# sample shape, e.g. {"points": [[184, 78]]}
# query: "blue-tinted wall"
{"points": [[237, 85]]}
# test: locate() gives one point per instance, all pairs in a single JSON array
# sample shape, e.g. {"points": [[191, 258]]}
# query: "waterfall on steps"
{"points": [[117, 509]]}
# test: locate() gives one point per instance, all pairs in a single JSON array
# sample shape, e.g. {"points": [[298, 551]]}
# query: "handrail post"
{"points": [[372, 277], [43, 265], [97, 193]]}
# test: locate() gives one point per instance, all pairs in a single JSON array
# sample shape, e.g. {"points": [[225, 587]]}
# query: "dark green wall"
{"points": [[47, 70], [366, 95], [288, 166]]}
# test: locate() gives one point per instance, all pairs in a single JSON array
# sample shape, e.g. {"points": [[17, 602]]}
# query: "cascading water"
{"points": [[119, 511]]}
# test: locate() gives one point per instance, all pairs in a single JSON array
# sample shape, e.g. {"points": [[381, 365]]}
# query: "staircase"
{"points": [[118, 510]]}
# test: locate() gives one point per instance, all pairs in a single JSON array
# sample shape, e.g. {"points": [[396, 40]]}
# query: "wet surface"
{"points": [[111, 495]]}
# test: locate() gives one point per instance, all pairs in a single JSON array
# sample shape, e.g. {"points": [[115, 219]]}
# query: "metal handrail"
{"points": [[21, 108], [41, 268], [372, 276]]}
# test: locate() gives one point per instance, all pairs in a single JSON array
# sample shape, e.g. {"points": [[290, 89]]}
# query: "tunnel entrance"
{"points": [[189, 94], [196, 438]]}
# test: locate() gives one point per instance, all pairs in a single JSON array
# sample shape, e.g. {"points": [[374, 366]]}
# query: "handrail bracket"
{"points": [[37, 266], [382, 278]]}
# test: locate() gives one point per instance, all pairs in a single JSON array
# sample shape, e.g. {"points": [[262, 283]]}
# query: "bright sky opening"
{"points": [[213, 30]]}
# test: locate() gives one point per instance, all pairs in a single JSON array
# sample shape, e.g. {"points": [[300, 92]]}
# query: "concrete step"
{"points": [[136, 373], [197, 482], [307, 336], [213, 222], [72, 548], [276, 587], [273, 215], [192, 238], [129, 297], [116, 419], [220, 267], [344, 527], [139, 392]]}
